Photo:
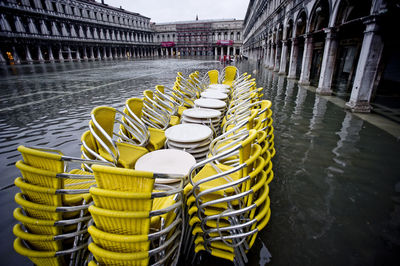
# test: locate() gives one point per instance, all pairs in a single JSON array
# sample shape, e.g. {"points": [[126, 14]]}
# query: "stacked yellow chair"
{"points": [[136, 221], [122, 151], [152, 138], [53, 215], [227, 198]]}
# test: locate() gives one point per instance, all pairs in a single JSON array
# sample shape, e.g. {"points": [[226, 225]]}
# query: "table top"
{"points": [[218, 86], [210, 103], [201, 113], [214, 95], [188, 133], [226, 91], [166, 161]]}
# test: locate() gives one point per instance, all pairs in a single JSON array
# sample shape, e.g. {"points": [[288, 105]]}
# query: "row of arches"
{"points": [[334, 45], [83, 10], [40, 53], [30, 25]]}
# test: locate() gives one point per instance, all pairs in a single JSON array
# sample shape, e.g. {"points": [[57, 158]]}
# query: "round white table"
{"points": [[201, 113], [188, 133], [210, 103], [167, 161], [218, 86], [214, 95]]}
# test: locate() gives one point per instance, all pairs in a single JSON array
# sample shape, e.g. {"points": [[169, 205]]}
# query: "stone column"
{"points": [[40, 55], [78, 55], [367, 68], [60, 55], [51, 56], [17, 61], [277, 56], [104, 53], [98, 53], [69, 54], [110, 52], [85, 57], [282, 67], [267, 52], [294, 53], [2, 59], [91, 53], [272, 57], [28, 55], [307, 60], [328, 63]]}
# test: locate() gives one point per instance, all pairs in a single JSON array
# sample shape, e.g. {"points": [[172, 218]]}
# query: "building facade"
{"points": [[344, 47], [199, 38], [70, 30]]}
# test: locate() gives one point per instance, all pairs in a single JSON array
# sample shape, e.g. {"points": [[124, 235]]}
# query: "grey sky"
{"points": [[180, 10]]}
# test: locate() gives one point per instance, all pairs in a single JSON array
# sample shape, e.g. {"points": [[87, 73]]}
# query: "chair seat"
{"points": [[174, 120], [157, 139], [128, 154]]}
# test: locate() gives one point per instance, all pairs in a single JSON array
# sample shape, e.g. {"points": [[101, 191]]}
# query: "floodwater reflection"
{"points": [[333, 198]]}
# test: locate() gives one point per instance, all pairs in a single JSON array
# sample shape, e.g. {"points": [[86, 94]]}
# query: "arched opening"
{"points": [[350, 37], [319, 20], [289, 35], [301, 23]]}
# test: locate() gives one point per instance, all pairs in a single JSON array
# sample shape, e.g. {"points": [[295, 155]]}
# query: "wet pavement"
{"points": [[336, 193]]}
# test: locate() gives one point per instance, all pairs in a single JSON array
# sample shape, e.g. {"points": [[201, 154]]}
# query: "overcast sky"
{"points": [[181, 10]]}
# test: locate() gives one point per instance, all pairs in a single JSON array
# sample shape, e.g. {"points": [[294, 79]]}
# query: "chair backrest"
{"points": [[40, 177], [135, 106], [38, 194], [213, 76], [230, 73], [123, 179], [45, 160]]}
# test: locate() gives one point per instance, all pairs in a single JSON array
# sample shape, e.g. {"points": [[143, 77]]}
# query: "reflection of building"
{"points": [[343, 47], [48, 30], [199, 37]]}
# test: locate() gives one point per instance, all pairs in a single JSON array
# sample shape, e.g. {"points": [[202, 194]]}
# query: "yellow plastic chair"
{"points": [[101, 127], [229, 74], [44, 242], [48, 227], [45, 258], [156, 137], [212, 76]]}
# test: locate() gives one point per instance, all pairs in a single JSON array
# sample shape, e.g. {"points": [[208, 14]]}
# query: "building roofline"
{"points": [[198, 21], [114, 8]]}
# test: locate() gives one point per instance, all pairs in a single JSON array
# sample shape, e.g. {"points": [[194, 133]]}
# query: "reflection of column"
{"points": [[51, 56], [281, 80], [328, 63], [318, 112], [110, 53], [215, 51], [300, 98], [294, 53], [307, 59], [282, 68], [349, 135], [367, 69], [28, 55], [289, 91]]}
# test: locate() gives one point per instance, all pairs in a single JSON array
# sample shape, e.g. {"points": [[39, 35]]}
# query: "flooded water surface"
{"points": [[336, 193]]}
